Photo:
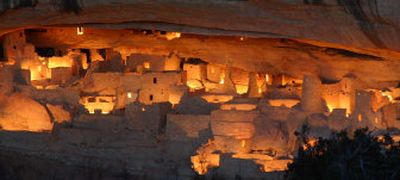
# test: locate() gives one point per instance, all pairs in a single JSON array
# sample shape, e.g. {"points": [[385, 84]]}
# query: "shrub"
{"points": [[361, 157]]}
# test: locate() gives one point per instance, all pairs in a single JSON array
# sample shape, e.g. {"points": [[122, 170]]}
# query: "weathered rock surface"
{"points": [[358, 23], [21, 113], [194, 105], [58, 113]]}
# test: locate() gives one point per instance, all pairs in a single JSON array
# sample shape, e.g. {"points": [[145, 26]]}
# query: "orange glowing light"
{"points": [[359, 117], [222, 78], [337, 101], [310, 143], [194, 84], [259, 90], [79, 30], [243, 143], [241, 89], [274, 165], [283, 80], [172, 35], [239, 107], [388, 95], [201, 163], [55, 62], [102, 103], [283, 102], [38, 72], [146, 65]]}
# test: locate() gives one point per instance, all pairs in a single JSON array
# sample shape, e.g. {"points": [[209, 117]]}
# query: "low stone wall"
{"points": [[184, 127]]}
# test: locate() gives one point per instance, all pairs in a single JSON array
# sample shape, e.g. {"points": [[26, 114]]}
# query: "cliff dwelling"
{"points": [[149, 90]]}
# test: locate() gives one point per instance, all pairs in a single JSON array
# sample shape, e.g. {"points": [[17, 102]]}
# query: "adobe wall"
{"points": [[215, 72], [148, 118], [183, 127], [104, 83], [340, 95], [172, 63], [237, 124], [195, 71], [164, 79], [155, 62]]}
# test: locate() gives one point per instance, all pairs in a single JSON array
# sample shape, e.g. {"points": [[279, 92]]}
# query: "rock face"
{"points": [[59, 114], [21, 113], [359, 23], [194, 105]]}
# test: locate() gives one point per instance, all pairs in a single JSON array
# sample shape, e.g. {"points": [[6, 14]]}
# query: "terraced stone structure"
{"points": [[133, 89]]}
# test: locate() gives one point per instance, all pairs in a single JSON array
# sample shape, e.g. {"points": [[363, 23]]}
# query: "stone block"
{"points": [[61, 75]]}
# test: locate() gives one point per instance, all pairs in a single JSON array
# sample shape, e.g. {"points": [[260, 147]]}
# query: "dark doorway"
{"points": [[2, 54], [45, 52], [88, 56]]}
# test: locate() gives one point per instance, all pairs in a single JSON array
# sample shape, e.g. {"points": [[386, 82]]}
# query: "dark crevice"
{"points": [[299, 46], [144, 27], [309, 48], [45, 52], [354, 7], [195, 61], [342, 52], [88, 56], [102, 53], [313, 2], [2, 53], [35, 30], [328, 81]]}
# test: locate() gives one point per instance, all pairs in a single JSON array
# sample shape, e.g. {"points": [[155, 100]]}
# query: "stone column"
{"points": [[229, 86], [253, 91], [349, 88], [363, 115], [311, 94]]}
